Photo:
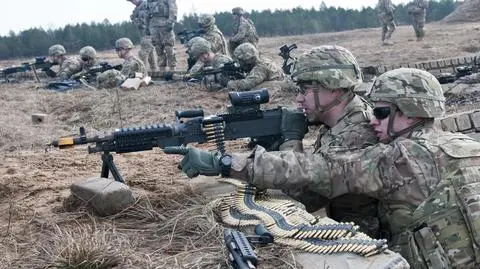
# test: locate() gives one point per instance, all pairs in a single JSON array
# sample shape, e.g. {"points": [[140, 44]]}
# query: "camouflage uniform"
{"points": [[243, 31], [428, 184], [352, 130], [68, 65], [418, 11], [162, 15], [259, 69], [385, 10], [89, 58], [130, 67], [213, 34], [147, 51]]}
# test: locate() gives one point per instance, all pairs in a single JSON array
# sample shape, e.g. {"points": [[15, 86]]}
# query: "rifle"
{"points": [[243, 119], [90, 74], [185, 35], [229, 71], [240, 251], [40, 63], [285, 54]]}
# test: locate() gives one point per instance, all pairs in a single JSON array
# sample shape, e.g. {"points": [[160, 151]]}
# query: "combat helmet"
{"points": [[333, 67], [123, 43], [246, 54], [88, 53], [206, 20], [199, 47], [238, 11], [417, 93], [57, 50]]}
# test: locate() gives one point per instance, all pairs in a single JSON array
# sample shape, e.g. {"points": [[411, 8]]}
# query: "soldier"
{"points": [[131, 67], [418, 11], [243, 30], [89, 58], [427, 180], [259, 69], [385, 10], [147, 52], [201, 49], [162, 15], [68, 65], [213, 34]]}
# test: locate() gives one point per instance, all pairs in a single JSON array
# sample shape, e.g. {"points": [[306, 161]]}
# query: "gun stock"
{"points": [[240, 251]]}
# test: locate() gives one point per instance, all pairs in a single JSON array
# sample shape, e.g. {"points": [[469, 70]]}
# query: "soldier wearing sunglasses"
{"points": [[427, 180]]}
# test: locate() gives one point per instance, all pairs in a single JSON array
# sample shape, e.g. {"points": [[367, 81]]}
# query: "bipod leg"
{"points": [[109, 166]]}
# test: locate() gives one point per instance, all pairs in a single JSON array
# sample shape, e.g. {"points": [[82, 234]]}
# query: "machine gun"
{"points": [[40, 63], [185, 35], [229, 71], [285, 54], [243, 119]]}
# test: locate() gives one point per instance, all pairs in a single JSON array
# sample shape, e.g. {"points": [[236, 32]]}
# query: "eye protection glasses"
{"points": [[382, 112]]}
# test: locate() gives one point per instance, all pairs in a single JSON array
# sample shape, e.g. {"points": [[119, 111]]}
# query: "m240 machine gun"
{"points": [[244, 119]]}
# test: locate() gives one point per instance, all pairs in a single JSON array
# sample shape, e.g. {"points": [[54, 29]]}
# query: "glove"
{"points": [[197, 162], [294, 124]]}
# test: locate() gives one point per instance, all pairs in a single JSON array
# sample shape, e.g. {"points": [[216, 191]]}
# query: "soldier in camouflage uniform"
{"points": [[162, 15], [147, 52], [427, 180], [132, 66], [385, 10], [243, 30], [213, 34], [68, 65], [259, 69], [418, 11], [201, 50]]}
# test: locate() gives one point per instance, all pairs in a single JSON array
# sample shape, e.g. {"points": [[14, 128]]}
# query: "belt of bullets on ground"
{"points": [[293, 226]]}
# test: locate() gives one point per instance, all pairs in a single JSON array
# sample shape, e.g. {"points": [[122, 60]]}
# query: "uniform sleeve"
{"points": [[172, 10], [68, 68], [253, 79], [375, 171], [241, 33], [197, 67]]}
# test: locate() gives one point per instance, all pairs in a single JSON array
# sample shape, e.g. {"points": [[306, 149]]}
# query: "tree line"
{"points": [[297, 21]]}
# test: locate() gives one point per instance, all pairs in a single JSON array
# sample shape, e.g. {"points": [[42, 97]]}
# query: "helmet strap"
{"points": [[410, 129], [319, 108]]}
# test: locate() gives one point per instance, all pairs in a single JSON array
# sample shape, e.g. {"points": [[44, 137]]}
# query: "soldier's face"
{"points": [[381, 115], [306, 100]]}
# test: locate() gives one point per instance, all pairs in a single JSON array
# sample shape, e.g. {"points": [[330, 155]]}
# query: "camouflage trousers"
{"points": [[148, 54], [388, 26], [418, 23], [163, 40]]}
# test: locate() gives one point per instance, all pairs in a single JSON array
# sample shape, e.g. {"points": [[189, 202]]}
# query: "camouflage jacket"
{"points": [[418, 7], [131, 66], [385, 7], [420, 181], [246, 32], [216, 39], [139, 16], [264, 70], [69, 67], [161, 13]]}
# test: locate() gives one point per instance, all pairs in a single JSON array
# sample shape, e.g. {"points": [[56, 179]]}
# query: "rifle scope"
{"points": [[249, 98]]}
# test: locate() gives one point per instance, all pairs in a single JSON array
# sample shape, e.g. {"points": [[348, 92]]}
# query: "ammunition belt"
{"points": [[292, 225]]}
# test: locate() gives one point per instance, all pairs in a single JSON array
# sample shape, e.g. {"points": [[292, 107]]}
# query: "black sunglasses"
{"points": [[382, 112]]}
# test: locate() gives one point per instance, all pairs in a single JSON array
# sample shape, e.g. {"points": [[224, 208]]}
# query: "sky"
{"points": [[51, 14]]}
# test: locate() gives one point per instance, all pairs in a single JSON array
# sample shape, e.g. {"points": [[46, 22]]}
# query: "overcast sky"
{"points": [[24, 14]]}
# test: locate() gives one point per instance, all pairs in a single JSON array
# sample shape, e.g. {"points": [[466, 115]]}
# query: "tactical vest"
{"points": [[158, 8], [444, 231]]}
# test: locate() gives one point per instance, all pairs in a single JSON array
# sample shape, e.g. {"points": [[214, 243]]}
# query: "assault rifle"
{"points": [[40, 63], [285, 54], [240, 251], [243, 119], [185, 35], [90, 74]]}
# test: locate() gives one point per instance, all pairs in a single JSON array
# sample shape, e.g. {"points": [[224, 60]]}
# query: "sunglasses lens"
{"points": [[381, 112]]}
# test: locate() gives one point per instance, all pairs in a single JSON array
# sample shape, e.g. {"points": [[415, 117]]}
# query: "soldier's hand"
{"points": [[294, 124], [196, 162]]}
